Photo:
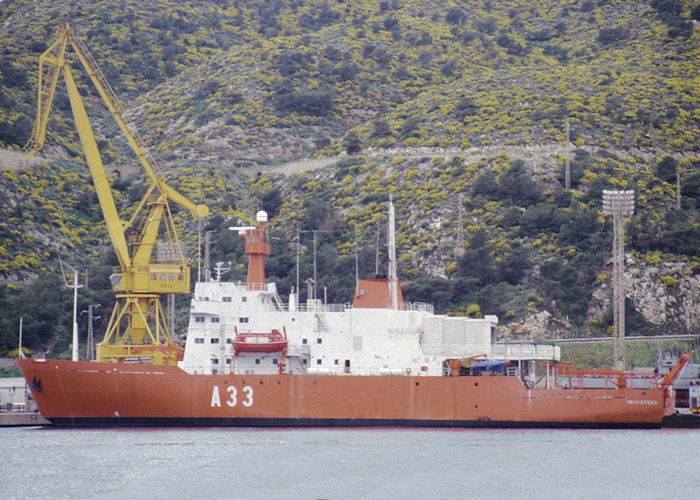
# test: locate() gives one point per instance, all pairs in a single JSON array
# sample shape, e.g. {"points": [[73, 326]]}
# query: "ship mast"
{"points": [[257, 249], [391, 247]]}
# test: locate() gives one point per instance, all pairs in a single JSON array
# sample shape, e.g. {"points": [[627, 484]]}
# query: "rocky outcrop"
{"points": [[665, 293], [540, 324]]}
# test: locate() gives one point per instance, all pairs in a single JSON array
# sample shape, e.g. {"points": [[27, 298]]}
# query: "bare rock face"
{"points": [[535, 325], [17, 160], [665, 293]]}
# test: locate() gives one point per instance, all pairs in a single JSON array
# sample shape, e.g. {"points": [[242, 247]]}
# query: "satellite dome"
{"points": [[261, 216]]}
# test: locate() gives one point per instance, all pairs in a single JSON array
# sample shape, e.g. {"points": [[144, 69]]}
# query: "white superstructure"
{"points": [[326, 338], [233, 327]]}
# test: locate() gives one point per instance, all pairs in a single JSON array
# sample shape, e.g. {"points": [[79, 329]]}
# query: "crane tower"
{"points": [[137, 330]]}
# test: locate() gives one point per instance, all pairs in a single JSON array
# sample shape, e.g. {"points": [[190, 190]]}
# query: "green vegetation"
{"points": [[426, 102], [638, 353], [441, 75], [10, 372]]}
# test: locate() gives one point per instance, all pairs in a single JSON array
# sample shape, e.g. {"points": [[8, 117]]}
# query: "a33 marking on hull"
{"points": [[231, 393]]}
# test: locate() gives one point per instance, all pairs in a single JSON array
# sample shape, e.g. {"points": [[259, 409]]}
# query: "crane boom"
{"points": [[139, 280]]}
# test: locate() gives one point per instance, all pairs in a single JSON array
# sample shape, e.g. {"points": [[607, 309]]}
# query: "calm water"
{"points": [[348, 463]]}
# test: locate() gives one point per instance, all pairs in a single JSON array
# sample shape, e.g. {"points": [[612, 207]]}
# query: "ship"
{"points": [[251, 359], [688, 377]]}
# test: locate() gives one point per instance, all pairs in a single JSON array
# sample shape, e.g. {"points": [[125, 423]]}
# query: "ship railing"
{"points": [[259, 287], [320, 307], [256, 287], [525, 351], [568, 378], [333, 308], [418, 306], [13, 407]]}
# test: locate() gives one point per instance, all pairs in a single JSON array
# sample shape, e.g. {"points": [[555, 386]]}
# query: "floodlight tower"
{"points": [[618, 204], [567, 169]]}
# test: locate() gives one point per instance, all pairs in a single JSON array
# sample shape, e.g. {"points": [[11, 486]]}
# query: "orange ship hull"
{"points": [[97, 394]]}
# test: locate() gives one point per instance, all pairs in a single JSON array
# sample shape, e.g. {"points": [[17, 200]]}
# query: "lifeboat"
{"points": [[273, 341]]}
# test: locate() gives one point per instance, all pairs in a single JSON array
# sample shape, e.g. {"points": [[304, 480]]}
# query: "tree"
{"points": [[352, 143], [666, 169], [477, 261], [455, 15], [429, 289], [513, 267], [44, 306], [381, 129], [318, 102], [695, 13], [607, 36]]}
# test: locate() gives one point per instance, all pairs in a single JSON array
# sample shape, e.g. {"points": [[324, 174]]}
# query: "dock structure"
{"points": [[16, 406], [22, 419]]}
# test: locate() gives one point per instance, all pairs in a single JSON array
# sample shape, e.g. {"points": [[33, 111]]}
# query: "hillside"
{"points": [[317, 111]]}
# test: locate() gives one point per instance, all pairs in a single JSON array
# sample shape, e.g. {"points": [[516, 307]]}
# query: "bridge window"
{"points": [[199, 319], [318, 361], [242, 320], [226, 299], [215, 319], [214, 341], [199, 341]]}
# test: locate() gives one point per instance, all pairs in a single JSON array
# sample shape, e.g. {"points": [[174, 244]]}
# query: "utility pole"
{"points": [[20, 354], [459, 249], [618, 204], [298, 245], [90, 351], [207, 263], [222, 269], [315, 231], [199, 251], [74, 286], [567, 168], [391, 250], [376, 256], [357, 262]]}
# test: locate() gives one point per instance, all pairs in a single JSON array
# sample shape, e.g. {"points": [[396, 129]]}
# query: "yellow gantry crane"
{"points": [[137, 329]]}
